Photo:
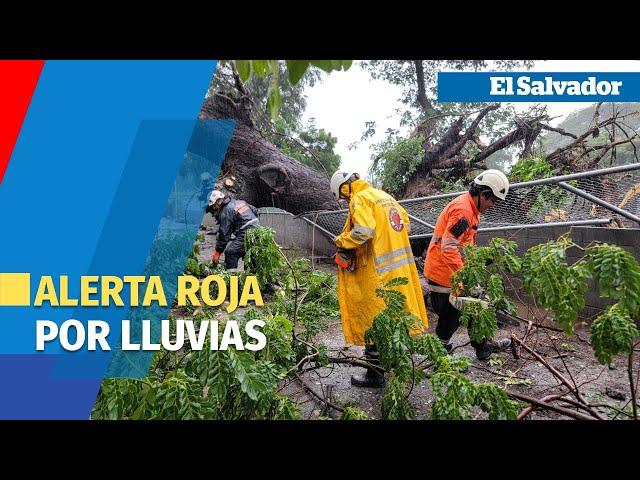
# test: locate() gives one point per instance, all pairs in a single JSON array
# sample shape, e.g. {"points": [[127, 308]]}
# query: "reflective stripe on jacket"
{"points": [[456, 227], [377, 228]]}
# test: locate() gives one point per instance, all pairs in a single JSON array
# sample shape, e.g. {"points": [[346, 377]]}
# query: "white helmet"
{"points": [[215, 196], [496, 181], [338, 178]]}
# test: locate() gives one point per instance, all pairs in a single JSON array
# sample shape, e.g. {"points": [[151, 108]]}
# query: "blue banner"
{"points": [[539, 87]]}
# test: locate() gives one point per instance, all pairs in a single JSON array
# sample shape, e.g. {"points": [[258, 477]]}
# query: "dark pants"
{"points": [[448, 318], [234, 251]]}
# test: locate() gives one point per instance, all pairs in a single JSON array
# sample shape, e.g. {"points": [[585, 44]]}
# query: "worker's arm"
{"points": [[224, 230], [450, 244], [364, 226], [405, 219]]}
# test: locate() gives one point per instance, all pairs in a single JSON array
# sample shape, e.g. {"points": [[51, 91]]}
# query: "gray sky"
{"points": [[343, 101]]}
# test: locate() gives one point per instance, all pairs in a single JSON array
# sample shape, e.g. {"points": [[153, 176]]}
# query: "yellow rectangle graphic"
{"points": [[15, 289]]}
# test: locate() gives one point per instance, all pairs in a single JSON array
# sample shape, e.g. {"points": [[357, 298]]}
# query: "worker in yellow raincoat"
{"points": [[373, 248]]}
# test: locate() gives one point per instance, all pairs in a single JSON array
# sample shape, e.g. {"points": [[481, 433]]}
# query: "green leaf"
{"points": [[396, 282], [326, 65], [296, 69], [244, 69], [346, 64], [274, 97], [352, 413], [494, 401], [612, 333], [259, 67]]}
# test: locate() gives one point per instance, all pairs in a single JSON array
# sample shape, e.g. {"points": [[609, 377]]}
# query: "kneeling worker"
{"points": [[234, 217]]}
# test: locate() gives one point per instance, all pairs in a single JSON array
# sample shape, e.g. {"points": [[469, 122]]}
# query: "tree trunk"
{"points": [[264, 176]]}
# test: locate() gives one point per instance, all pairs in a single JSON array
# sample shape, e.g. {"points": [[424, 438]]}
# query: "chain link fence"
{"points": [[595, 197]]}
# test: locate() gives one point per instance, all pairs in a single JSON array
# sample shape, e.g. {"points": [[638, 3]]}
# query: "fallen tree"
{"points": [[254, 169]]}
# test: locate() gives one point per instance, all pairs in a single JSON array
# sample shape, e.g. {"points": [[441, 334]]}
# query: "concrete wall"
{"points": [[296, 234], [629, 239]]}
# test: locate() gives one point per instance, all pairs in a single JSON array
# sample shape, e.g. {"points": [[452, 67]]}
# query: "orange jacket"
{"points": [[456, 227]]}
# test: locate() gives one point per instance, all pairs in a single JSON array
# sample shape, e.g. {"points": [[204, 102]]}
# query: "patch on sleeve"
{"points": [[460, 227], [395, 220]]}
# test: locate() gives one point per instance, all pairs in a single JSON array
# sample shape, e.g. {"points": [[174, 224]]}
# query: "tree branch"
{"points": [[548, 406], [422, 94]]}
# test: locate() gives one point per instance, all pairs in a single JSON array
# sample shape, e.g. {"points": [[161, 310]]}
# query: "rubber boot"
{"points": [[447, 344], [487, 347], [372, 378]]}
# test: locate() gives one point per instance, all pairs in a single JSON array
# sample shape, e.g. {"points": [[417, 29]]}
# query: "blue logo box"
{"points": [[539, 87]]}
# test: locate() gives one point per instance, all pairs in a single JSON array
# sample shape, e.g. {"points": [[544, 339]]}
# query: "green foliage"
{"points": [[193, 266], [430, 346], [483, 264], [561, 288], [212, 384], [394, 404], [389, 331], [395, 160], [548, 199], [352, 413], [296, 70], [450, 186], [234, 384], [320, 299], [618, 275], [263, 258], [481, 322], [116, 399], [308, 144], [279, 331], [530, 168], [494, 401], [455, 394], [556, 285], [484, 267], [612, 333], [208, 384]]}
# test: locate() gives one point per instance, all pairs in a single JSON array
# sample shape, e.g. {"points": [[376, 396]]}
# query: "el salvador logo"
{"points": [[539, 86]]}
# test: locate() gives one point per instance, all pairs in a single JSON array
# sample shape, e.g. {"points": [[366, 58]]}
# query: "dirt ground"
{"points": [[571, 355], [524, 375]]}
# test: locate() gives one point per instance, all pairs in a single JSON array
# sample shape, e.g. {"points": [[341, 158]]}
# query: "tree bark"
{"points": [[422, 94], [264, 176]]}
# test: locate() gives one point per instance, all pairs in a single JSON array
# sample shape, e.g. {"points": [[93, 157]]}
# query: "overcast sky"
{"points": [[343, 101]]}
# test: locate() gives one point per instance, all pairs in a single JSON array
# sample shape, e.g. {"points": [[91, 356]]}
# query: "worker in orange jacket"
{"points": [[456, 227]]}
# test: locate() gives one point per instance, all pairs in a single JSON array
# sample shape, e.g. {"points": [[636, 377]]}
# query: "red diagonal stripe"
{"points": [[18, 79]]}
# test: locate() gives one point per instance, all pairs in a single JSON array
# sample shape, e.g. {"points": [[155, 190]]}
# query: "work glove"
{"points": [[477, 292], [346, 258], [215, 258]]}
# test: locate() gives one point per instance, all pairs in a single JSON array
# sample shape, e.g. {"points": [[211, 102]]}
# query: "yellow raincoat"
{"points": [[378, 228]]}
